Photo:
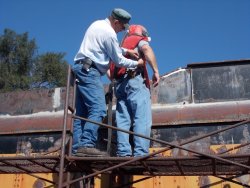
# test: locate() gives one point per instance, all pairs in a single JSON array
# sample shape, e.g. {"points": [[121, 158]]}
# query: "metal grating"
{"points": [[158, 165], [15, 165], [165, 165]]}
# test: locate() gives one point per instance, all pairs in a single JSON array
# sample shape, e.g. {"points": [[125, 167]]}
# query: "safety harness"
{"points": [[135, 34]]}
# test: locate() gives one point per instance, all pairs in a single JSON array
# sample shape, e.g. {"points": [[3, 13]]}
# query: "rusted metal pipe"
{"points": [[61, 169], [221, 181], [233, 181], [73, 80], [236, 147]]}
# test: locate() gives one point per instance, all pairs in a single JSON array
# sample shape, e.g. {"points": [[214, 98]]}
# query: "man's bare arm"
{"points": [[151, 59]]}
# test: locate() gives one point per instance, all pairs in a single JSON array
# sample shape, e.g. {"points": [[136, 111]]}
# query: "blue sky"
{"points": [[182, 31]]}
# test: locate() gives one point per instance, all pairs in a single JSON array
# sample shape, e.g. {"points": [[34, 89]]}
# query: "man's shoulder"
{"points": [[142, 43], [103, 27], [98, 23]]}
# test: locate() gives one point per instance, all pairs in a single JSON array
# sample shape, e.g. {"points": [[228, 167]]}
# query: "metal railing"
{"points": [[169, 145]]}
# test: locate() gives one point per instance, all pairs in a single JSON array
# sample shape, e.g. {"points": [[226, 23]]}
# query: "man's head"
{"points": [[139, 30], [120, 19]]}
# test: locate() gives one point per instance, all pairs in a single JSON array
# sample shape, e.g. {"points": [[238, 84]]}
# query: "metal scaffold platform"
{"points": [[155, 166]]}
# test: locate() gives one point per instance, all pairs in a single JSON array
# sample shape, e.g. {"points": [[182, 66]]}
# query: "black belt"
{"points": [[83, 61], [132, 73], [87, 63], [129, 75]]}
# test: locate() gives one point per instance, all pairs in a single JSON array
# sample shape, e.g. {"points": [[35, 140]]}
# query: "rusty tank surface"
{"points": [[190, 102]]}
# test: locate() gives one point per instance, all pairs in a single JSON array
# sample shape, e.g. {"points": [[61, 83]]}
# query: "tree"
{"points": [[22, 68], [16, 60], [50, 70]]}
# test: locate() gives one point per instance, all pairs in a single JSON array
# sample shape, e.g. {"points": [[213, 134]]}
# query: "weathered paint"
{"points": [[181, 100], [163, 115]]}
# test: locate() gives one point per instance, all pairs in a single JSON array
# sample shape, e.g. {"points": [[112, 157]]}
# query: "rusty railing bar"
{"points": [[61, 169], [149, 155], [221, 181], [233, 181], [236, 147], [72, 109], [216, 132]]}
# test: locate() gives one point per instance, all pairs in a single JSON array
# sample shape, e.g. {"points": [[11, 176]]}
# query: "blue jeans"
{"points": [[133, 109], [90, 104]]}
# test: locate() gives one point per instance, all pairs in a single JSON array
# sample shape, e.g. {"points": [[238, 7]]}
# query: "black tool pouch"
{"points": [[87, 63]]}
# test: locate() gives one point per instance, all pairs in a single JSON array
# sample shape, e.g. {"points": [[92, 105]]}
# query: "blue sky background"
{"points": [[182, 31]]}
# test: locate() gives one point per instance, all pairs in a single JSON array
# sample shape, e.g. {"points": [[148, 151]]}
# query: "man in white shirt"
{"points": [[99, 46]]}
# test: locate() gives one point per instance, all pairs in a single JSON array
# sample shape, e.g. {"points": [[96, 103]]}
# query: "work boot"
{"points": [[90, 152]]}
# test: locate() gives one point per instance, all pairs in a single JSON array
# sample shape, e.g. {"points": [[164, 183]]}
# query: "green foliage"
{"points": [[22, 68], [50, 70], [16, 59]]}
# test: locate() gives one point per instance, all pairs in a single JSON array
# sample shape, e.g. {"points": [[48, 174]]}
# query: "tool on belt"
{"points": [[87, 64]]}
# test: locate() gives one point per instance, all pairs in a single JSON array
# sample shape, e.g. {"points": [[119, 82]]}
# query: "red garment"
{"points": [[131, 40]]}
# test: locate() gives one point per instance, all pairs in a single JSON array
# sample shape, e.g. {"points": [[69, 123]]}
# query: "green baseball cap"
{"points": [[121, 15]]}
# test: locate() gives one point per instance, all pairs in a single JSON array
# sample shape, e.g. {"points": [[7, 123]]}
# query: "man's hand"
{"points": [[156, 79], [108, 73], [140, 63], [133, 54]]}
